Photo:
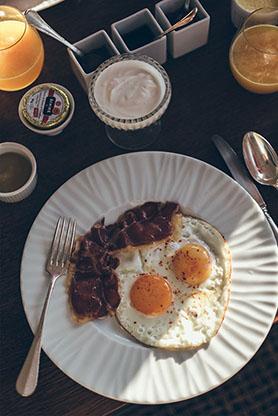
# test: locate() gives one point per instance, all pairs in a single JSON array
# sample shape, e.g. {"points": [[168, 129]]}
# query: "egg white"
{"points": [[196, 312]]}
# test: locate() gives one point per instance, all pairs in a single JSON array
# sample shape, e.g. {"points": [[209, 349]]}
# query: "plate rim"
{"points": [[127, 155]]}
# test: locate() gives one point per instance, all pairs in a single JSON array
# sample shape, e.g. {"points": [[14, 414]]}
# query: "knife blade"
{"points": [[241, 175], [237, 169]]}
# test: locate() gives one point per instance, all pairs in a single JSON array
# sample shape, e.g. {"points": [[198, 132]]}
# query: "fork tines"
{"points": [[62, 242]]}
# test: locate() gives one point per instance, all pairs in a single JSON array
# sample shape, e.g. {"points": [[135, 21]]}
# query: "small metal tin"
{"points": [[45, 106]]}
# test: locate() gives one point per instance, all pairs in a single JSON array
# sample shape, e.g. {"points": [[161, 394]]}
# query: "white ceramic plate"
{"points": [[98, 355]]}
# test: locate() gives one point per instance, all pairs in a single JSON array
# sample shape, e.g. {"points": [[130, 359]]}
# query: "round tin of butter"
{"points": [[46, 108]]}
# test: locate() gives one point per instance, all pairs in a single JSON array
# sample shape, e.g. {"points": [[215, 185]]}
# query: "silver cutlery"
{"points": [[184, 21], [260, 159], [185, 9], [186, 5], [241, 175], [34, 19], [57, 265]]}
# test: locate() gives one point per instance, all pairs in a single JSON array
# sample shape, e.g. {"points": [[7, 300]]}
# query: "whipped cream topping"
{"points": [[129, 89]]}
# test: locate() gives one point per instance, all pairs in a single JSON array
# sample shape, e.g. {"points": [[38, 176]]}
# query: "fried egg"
{"points": [[174, 293]]}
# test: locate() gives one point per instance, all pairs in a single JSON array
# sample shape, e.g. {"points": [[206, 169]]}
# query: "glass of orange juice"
{"points": [[21, 50], [254, 52]]}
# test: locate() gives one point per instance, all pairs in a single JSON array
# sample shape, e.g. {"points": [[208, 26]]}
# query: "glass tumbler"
{"points": [[21, 50], [254, 52]]}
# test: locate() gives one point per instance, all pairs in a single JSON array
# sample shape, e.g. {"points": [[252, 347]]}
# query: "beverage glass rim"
{"points": [[244, 29], [138, 121], [3, 7]]}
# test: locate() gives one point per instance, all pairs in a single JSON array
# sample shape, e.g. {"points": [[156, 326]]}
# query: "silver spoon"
{"points": [[184, 9], [261, 159], [184, 21], [88, 60], [37, 21], [186, 5]]}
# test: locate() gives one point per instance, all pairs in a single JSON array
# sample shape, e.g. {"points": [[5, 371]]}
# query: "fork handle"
{"points": [[28, 377]]}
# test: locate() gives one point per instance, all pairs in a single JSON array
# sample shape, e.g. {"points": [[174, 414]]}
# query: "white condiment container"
{"points": [[188, 38], [156, 49], [27, 188], [90, 44]]}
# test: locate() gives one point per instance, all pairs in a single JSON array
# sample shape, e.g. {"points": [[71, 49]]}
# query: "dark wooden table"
{"points": [[206, 100]]}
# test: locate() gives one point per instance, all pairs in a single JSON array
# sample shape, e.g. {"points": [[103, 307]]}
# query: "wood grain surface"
{"points": [[206, 100]]}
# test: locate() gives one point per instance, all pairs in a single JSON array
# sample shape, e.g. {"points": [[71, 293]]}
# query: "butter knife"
{"points": [[241, 175]]}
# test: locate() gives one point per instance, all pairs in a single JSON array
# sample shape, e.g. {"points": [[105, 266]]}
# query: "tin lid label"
{"points": [[46, 106]]}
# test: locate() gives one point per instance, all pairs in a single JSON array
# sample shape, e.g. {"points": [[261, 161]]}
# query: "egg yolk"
{"points": [[151, 294], [192, 263]]}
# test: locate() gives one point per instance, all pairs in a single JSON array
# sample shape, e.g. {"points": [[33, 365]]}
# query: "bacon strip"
{"points": [[94, 287]]}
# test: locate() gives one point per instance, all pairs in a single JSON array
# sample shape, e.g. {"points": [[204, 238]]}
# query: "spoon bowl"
{"points": [[261, 159]]}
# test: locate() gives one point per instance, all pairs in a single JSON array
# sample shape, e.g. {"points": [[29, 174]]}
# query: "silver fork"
{"points": [[57, 265]]}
